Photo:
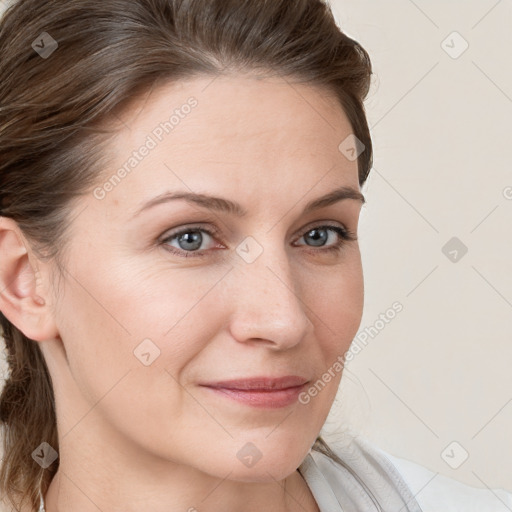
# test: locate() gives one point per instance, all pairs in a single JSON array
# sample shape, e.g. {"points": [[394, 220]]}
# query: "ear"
{"points": [[23, 301]]}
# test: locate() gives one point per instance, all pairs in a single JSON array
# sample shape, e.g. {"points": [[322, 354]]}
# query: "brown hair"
{"points": [[53, 113]]}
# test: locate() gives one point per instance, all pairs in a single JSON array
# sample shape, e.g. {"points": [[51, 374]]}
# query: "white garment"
{"points": [[373, 480], [437, 493], [419, 489]]}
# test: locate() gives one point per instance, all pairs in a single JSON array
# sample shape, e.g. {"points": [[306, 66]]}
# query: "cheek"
{"points": [[337, 303], [125, 317], [336, 309], [103, 327], [161, 300], [104, 313]]}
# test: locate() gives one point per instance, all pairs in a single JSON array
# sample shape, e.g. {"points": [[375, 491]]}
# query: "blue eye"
{"points": [[190, 239], [319, 236]]}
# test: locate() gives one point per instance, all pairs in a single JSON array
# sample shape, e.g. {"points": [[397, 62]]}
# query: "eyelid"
{"points": [[213, 230], [345, 235], [317, 224]]}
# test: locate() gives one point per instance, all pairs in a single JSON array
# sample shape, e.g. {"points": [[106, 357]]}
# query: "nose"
{"points": [[268, 304]]}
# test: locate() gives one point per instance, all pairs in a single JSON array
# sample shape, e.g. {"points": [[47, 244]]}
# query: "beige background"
{"points": [[439, 371]]}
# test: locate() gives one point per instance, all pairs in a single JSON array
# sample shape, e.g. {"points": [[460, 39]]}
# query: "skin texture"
{"points": [[135, 437]]}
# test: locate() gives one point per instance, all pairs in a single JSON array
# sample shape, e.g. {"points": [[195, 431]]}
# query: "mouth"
{"points": [[261, 392], [259, 383]]}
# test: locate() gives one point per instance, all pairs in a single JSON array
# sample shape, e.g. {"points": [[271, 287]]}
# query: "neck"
{"points": [[65, 495]]}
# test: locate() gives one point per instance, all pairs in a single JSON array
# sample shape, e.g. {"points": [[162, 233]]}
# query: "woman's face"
{"points": [[157, 301]]}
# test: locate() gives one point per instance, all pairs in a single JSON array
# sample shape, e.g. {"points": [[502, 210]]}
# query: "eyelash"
{"points": [[345, 235]]}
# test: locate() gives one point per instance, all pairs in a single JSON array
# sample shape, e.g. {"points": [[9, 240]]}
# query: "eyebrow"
{"points": [[225, 205]]}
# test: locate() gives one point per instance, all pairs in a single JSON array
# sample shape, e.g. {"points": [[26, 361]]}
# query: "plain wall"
{"points": [[439, 371]]}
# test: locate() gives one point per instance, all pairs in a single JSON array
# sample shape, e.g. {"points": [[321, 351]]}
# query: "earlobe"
{"points": [[19, 301]]}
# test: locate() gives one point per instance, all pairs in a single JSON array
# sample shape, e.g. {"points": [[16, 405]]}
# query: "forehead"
{"points": [[230, 132]]}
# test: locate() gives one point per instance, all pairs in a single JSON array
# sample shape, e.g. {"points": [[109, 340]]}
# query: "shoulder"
{"points": [[400, 484], [435, 492]]}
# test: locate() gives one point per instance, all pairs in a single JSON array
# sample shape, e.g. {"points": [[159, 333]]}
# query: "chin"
{"points": [[268, 464]]}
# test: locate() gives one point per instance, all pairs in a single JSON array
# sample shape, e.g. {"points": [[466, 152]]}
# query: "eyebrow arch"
{"points": [[225, 205]]}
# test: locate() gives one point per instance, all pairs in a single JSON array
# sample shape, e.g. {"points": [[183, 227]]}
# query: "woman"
{"points": [[180, 272]]}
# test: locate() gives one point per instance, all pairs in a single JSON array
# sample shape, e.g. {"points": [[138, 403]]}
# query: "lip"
{"points": [[262, 392], [260, 383]]}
